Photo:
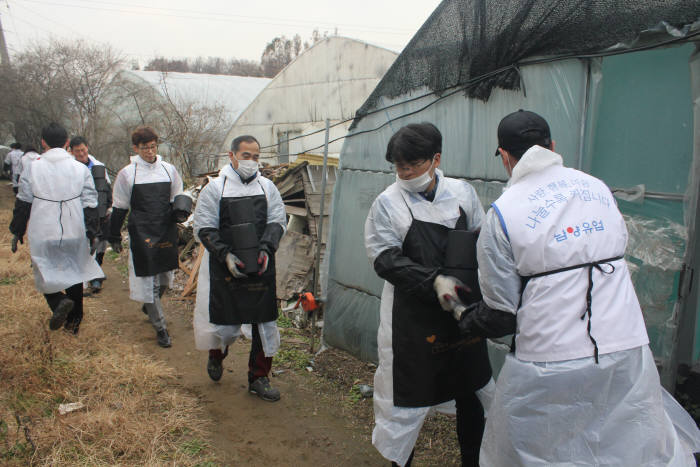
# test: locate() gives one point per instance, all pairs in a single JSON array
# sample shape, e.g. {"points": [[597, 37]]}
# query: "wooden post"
{"points": [[319, 240]]}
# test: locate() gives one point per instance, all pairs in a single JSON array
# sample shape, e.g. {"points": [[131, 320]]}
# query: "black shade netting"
{"points": [[463, 40]]}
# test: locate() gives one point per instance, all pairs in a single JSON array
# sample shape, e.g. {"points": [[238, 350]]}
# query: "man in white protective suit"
{"points": [[581, 387], [12, 161], [57, 206], [79, 149], [424, 363], [240, 219], [29, 156], [148, 189]]}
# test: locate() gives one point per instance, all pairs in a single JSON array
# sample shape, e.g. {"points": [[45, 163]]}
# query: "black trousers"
{"points": [[470, 430], [258, 364], [75, 293]]}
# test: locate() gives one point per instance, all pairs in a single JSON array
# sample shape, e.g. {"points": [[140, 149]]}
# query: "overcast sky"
{"points": [[143, 29]]}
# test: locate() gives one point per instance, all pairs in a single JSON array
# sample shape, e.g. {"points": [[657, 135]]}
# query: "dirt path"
{"points": [[304, 428]]}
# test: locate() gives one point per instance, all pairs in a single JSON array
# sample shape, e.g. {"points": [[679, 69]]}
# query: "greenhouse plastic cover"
{"points": [[234, 93], [466, 39], [468, 144]]}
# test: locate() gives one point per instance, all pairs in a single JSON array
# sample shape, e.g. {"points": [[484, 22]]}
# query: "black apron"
{"points": [[152, 231], [104, 198], [432, 363], [240, 301], [103, 189]]}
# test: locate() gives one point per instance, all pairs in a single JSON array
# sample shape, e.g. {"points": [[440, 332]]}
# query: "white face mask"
{"points": [[417, 184], [246, 169]]}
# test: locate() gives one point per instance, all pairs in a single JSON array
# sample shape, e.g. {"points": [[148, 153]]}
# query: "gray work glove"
{"points": [[447, 288], [263, 261], [235, 265], [116, 246], [13, 245]]}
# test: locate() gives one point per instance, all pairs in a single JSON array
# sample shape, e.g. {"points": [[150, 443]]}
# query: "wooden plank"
{"points": [[294, 262], [313, 201], [184, 269], [313, 227], [317, 160], [186, 249], [192, 281], [294, 210], [315, 187]]}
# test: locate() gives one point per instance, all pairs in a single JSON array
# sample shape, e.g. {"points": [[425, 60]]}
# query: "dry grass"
{"points": [[133, 414]]}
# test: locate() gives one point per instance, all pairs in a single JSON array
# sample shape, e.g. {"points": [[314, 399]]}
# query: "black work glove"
{"points": [[16, 239], [116, 221], [480, 320], [466, 295], [20, 217], [180, 216]]}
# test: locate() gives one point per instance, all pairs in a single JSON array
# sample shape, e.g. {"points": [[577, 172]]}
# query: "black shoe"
{"points": [[215, 369], [261, 388], [144, 310], [60, 314], [163, 338], [95, 286], [71, 327]]}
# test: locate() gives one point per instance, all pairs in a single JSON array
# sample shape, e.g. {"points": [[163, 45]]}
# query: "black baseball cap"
{"points": [[521, 130]]}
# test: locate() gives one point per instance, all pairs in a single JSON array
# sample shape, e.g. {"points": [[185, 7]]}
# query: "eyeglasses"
{"points": [[150, 147], [404, 166]]}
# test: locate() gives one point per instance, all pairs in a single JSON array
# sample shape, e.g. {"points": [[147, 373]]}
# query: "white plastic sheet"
{"points": [[579, 413]]}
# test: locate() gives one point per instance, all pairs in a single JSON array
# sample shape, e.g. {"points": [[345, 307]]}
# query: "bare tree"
{"points": [[191, 132], [210, 65], [58, 81]]}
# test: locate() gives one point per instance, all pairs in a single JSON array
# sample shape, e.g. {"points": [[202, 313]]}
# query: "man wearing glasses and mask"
{"points": [[150, 190], [424, 364], [240, 219]]}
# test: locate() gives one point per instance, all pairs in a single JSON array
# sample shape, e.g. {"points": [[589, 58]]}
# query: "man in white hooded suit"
{"points": [[57, 207], [240, 219]]}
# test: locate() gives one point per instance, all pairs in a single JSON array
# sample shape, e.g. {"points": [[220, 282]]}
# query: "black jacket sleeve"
{"points": [[92, 222], [109, 196], [20, 217], [406, 275], [115, 224], [211, 239], [270, 239], [483, 321]]}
